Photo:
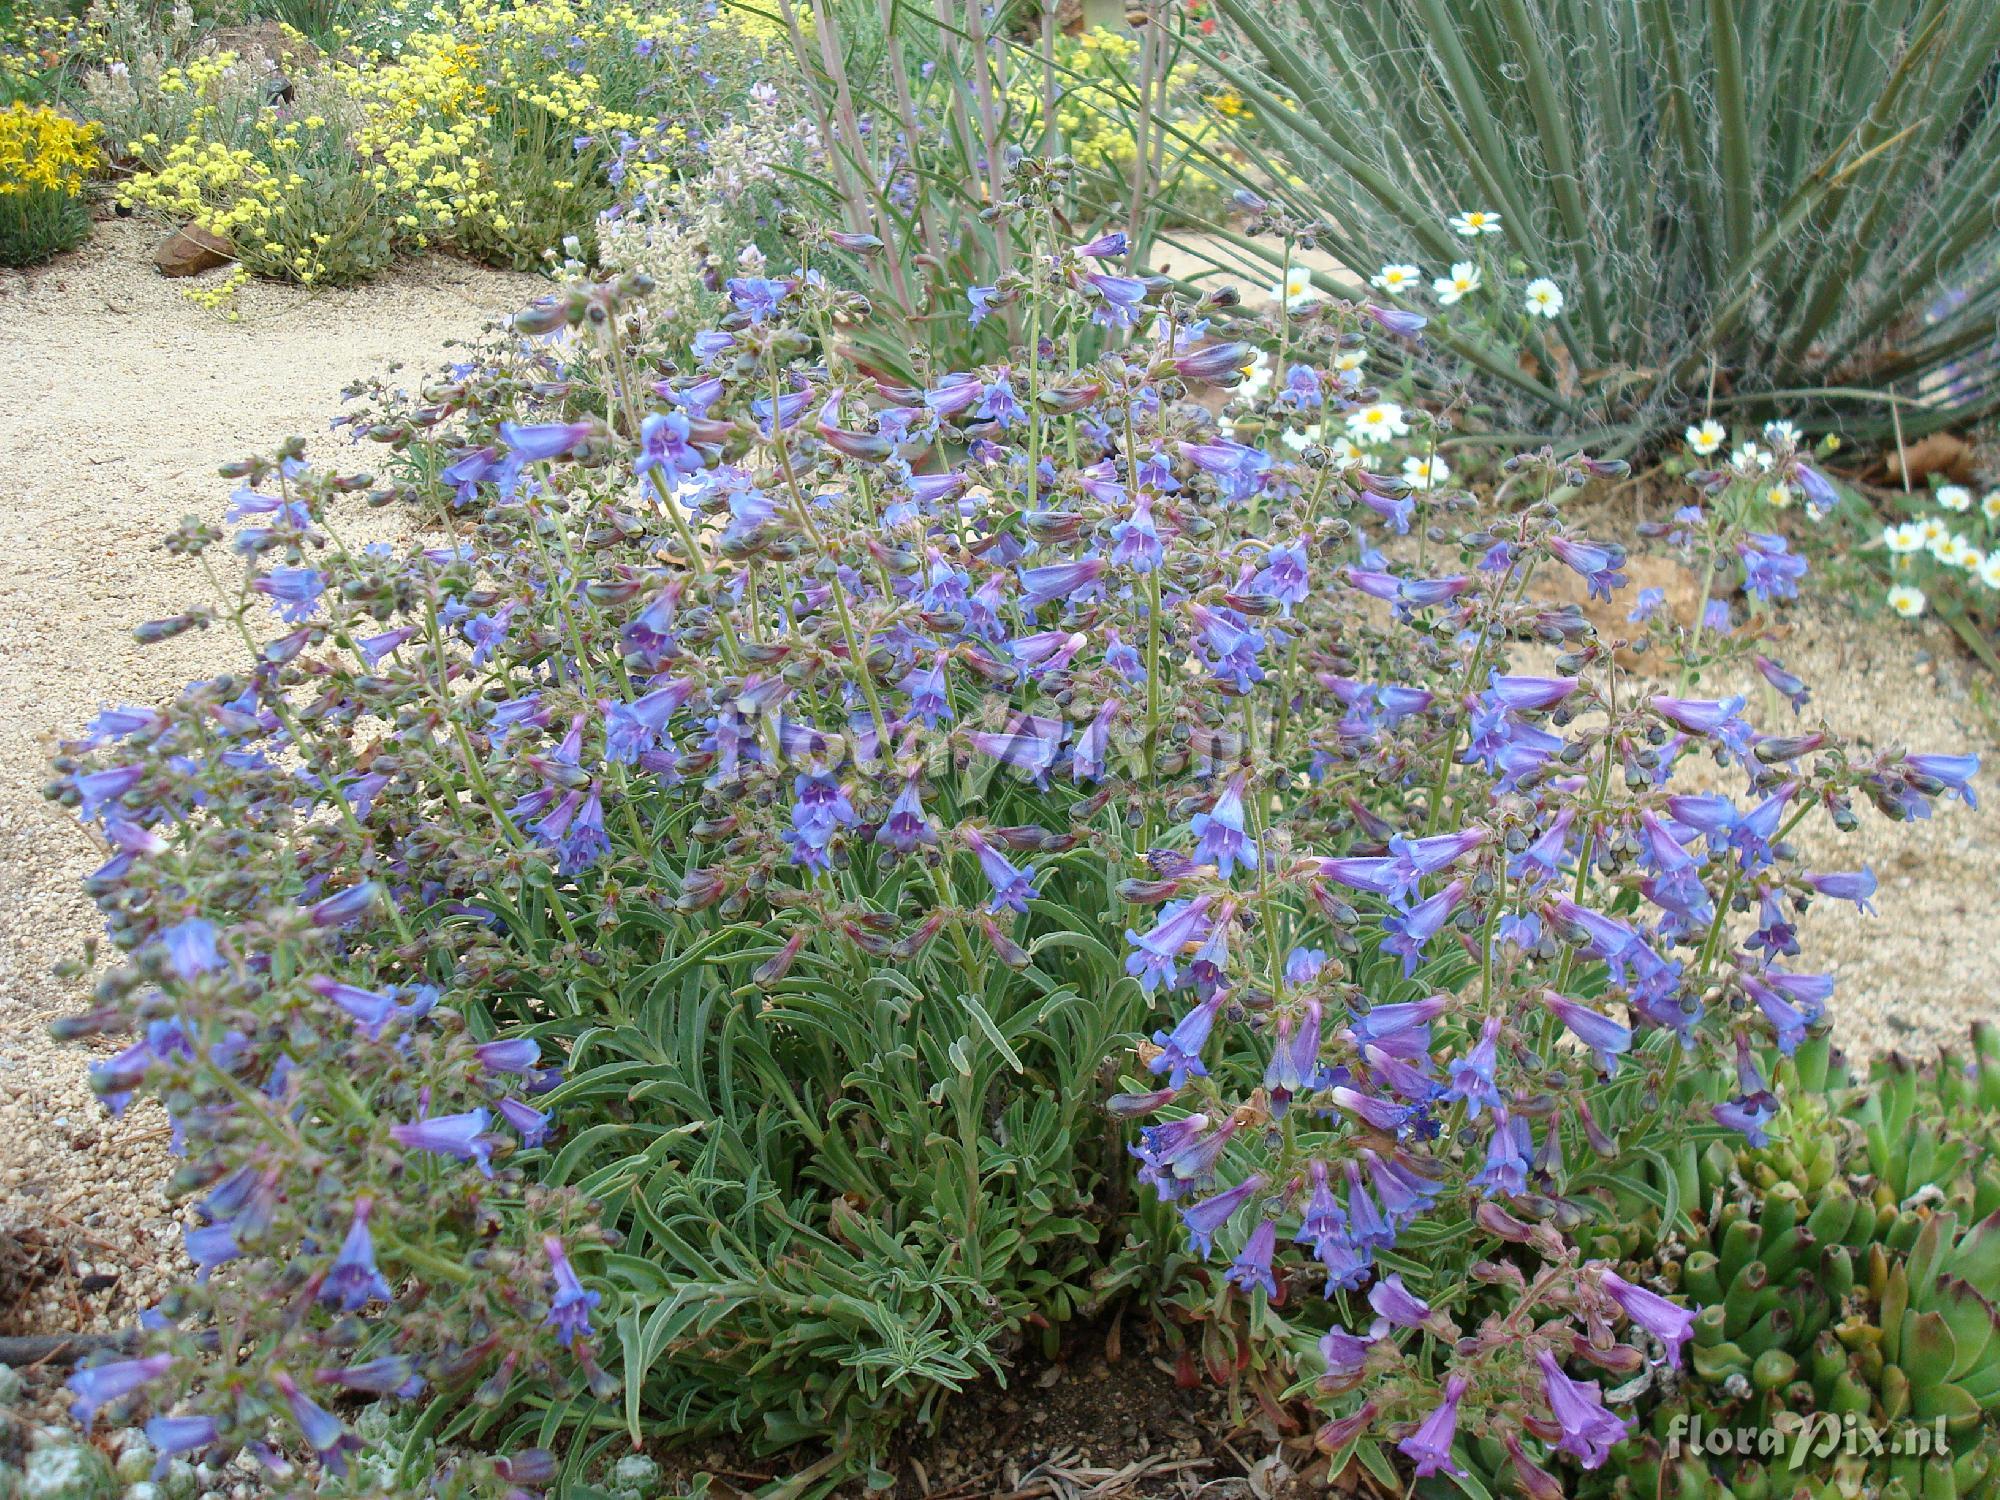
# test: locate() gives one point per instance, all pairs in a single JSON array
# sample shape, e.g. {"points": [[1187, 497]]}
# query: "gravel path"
{"points": [[122, 398], [128, 400]]}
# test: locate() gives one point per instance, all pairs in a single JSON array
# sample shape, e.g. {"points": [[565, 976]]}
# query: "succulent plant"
{"points": [[1849, 1275]]}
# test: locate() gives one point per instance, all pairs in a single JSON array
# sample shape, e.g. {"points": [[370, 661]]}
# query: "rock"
{"points": [[190, 250], [180, 1480], [69, 1472], [145, 1489], [135, 1462], [10, 1387]]}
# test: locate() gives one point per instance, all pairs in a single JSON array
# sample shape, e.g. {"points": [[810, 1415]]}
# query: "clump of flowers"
{"points": [[1945, 557], [45, 159], [667, 924]]}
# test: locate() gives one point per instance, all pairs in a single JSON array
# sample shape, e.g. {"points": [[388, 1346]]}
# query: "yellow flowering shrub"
{"points": [[497, 129], [45, 158], [1095, 69]]}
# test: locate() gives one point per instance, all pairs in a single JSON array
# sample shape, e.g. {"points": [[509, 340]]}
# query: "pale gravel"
{"points": [[122, 398]]}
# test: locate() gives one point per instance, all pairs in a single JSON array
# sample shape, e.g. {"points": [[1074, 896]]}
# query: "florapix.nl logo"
{"points": [[1805, 1438]]}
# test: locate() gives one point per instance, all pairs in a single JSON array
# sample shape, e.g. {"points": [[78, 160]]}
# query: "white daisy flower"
{"points": [[1932, 535], [1778, 496], [1377, 423], [1957, 552], [1296, 290], [1706, 436], [1782, 435], [1473, 222], [1396, 279], [1907, 601], [1349, 361], [1903, 541], [1257, 375], [1464, 278], [1299, 441], [1748, 456], [1989, 571], [1425, 473], [1954, 497], [1990, 506], [1544, 298]]}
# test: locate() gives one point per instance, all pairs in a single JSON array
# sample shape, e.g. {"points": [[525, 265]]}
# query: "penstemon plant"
{"points": [[647, 954]]}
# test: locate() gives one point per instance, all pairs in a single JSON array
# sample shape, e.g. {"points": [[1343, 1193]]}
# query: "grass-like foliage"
{"points": [[1773, 205]]}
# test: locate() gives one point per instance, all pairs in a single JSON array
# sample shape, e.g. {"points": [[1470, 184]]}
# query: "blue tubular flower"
{"points": [[1429, 1447], [1589, 1432], [1012, 889], [1857, 886], [459, 1136], [1951, 773], [1605, 1038], [1155, 962], [1748, 1114], [371, 1010], [330, 1442], [1252, 1268], [1542, 860], [1180, 1049], [1030, 747], [209, 1246], [349, 905], [1770, 571], [1220, 838], [758, 296], [392, 1375], [1793, 690], [1177, 1155], [1087, 756], [1229, 646], [1119, 299], [1672, 1325], [1597, 565], [981, 300], [1408, 932], [1203, 1219], [1294, 1064], [172, 1436], [535, 443], [930, 696], [1240, 471], [353, 1280], [1674, 883], [97, 1386], [515, 1055], [1284, 577], [294, 592], [190, 948], [1396, 1304], [1040, 586], [1507, 1152], [906, 825], [569, 1311], [532, 1123], [663, 445], [97, 789], [1472, 1075], [1135, 541]]}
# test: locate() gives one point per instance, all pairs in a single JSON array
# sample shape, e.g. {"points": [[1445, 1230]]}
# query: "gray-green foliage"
{"points": [[1776, 196]]}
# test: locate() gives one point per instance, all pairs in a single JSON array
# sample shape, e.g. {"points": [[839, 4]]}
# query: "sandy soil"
{"points": [[122, 398]]}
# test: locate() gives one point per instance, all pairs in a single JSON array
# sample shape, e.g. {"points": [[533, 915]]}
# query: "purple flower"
{"points": [[1672, 1325], [1597, 565], [1646, 605], [190, 948], [1396, 1304], [1605, 1038], [1429, 1447], [1219, 834], [353, 1280], [1135, 542], [535, 443], [1119, 299], [1398, 321], [663, 445], [349, 905], [532, 1123], [97, 1386], [1770, 571], [330, 1441], [758, 296], [295, 592], [1857, 886], [1252, 1268], [1748, 1114], [172, 1436], [460, 1136], [1589, 1432], [1058, 581], [1203, 1219], [981, 299], [1408, 932], [1794, 690], [1182, 925], [1012, 889], [1472, 1074], [515, 1055], [569, 1311], [1952, 773], [1180, 1049], [392, 1375]]}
